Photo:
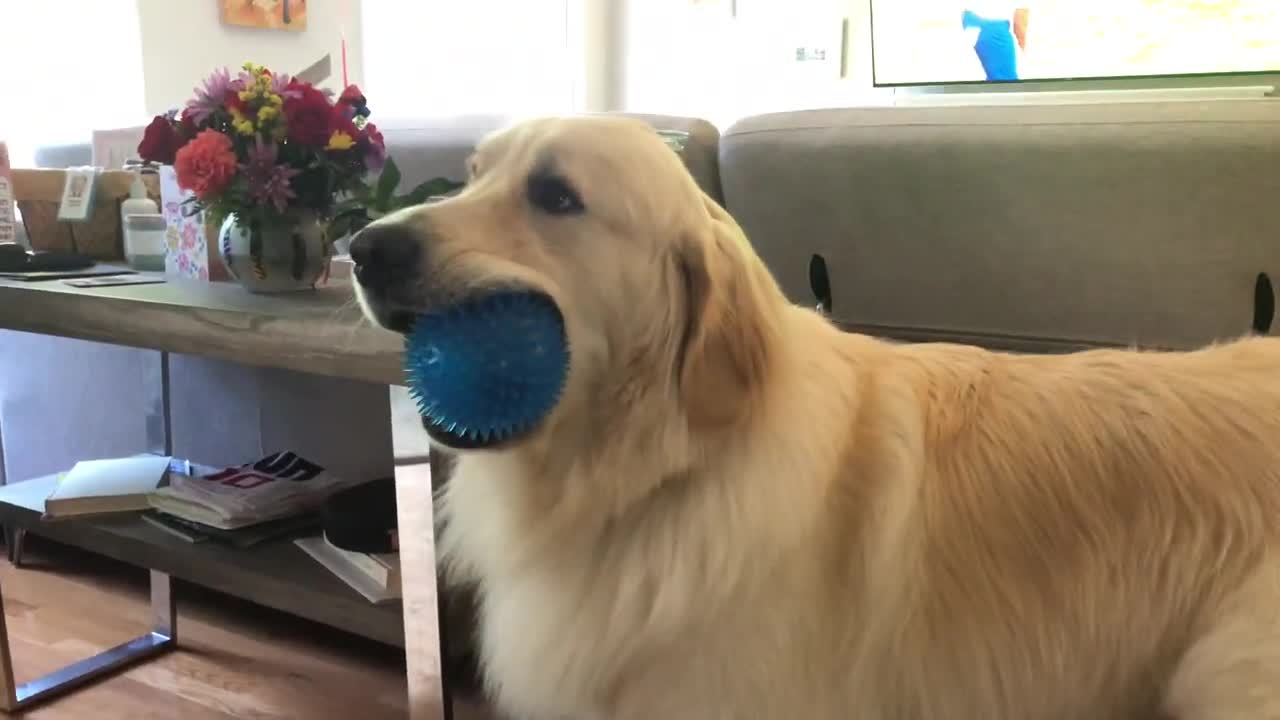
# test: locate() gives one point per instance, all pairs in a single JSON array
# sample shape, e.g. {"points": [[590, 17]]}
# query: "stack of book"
{"points": [[277, 496], [242, 538], [377, 577]]}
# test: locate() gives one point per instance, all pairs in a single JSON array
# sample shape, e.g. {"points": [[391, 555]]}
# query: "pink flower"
{"points": [[189, 233], [280, 85], [269, 181], [210, 97]]}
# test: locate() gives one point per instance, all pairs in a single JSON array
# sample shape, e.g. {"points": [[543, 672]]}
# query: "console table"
{"points": [[320, 332]]}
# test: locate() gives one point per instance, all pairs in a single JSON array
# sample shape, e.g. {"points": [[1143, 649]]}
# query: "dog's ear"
{"points": [[731, 305]]}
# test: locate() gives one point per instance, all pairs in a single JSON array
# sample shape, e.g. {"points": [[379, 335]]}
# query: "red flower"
{"points": [[308, 115], [374, 148], [206, 165], [160, 142], [341, 120], [352, 96], [187, 127], [374, 135], [233, 102]]}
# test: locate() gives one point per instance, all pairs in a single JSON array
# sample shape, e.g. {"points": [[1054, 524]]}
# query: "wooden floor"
{"points": [[235, 660]]}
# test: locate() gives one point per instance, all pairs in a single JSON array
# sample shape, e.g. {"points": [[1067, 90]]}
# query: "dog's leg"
{"points": [[1233, 671]]}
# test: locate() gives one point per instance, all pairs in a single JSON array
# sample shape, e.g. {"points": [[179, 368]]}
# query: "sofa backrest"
{"points": [[1032, 228], [440, 147]]}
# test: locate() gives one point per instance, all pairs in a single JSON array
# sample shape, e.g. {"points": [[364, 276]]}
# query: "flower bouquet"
{"points": [[268, 157]]}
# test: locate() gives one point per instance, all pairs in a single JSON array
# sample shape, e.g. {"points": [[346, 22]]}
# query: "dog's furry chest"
{"points": [[633, 623], [536, 597]]}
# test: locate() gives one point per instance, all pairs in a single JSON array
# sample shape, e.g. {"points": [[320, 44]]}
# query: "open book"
{"points": [[376, 577]]}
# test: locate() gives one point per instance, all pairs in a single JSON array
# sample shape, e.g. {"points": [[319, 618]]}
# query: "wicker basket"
{"points": [[38, 194]]}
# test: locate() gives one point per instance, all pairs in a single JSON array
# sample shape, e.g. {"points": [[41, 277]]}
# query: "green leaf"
{"points": [[388, 181], [427, 190], [342, 225], [416, 196], [348, 206], [443, 186]]}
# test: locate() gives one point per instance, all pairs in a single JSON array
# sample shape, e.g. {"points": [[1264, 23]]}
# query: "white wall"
{"points": [[432, 58], [53, 95], [184, 40]]}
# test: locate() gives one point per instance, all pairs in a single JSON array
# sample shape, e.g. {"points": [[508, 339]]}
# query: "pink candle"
{"points": [[345, 83]]}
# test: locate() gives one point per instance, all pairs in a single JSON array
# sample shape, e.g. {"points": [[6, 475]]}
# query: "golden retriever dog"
{"points": [[739, 511]]}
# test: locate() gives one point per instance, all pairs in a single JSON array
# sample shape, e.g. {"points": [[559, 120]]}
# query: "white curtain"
{"points": [[431, 58], [66, 69]]}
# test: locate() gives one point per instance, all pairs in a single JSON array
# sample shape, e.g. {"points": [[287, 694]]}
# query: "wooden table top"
{"points": [[320, 331]]}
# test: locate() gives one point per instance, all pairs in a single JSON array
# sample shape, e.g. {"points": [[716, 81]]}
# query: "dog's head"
{"points": [[665, 306]]}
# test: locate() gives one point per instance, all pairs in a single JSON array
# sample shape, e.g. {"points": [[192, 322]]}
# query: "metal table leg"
{"points": [[17, 538], [163, 635], [161, 638]]}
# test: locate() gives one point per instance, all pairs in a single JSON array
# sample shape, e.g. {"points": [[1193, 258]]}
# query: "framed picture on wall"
{"points": [[265, 14]]}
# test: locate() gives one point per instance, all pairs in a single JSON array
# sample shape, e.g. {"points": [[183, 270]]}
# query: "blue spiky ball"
{"points": [[487, 369]]}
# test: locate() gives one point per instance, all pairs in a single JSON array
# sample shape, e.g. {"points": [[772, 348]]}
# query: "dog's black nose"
{"points": [[385, 254]]}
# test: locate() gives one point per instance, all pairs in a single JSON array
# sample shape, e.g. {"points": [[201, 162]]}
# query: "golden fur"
{"points": [[739, 511]]}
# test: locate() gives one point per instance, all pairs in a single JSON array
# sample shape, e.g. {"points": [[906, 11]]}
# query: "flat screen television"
{"points": [[944, 42]]}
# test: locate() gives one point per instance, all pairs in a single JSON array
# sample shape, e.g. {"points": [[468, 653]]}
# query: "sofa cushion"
{"points": [[1026, 226]]}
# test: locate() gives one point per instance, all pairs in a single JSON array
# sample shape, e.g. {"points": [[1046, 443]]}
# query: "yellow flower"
{"points": [[340, 141], [242, 124], [245, 95], [267, 113]]}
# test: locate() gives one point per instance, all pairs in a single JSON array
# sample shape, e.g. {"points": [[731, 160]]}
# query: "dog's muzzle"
{"points": [[388, 264]]}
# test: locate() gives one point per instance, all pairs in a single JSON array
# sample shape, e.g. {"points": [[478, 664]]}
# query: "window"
{"points": [[70, 67], [444, 57]]}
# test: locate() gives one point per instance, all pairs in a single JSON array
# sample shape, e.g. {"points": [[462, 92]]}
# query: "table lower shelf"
{"points": [[278, 574]]}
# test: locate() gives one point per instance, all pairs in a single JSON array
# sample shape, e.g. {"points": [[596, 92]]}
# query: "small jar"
{"points": [[144, 241]]}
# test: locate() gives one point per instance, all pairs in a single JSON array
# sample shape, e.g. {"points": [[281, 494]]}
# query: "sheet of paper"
{"points": [[113, 281], [113, 148], [317, 72]]}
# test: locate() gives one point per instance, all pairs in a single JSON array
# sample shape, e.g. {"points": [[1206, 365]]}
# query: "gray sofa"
{"points": [[1035, 228]]}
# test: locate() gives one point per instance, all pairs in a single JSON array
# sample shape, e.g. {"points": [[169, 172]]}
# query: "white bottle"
{"points": [[140, 246], [137, 202]]}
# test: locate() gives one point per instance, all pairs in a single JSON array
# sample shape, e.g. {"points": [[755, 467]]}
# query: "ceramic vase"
{"points": [[276, 259]]}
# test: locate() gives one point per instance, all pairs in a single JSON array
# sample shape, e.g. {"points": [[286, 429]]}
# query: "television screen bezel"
{"points": [[875, 80]]}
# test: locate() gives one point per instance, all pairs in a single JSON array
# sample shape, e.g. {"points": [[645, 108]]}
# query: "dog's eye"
{"points": [[553, 195]]}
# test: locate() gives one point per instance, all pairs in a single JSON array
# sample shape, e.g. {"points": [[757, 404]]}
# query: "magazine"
{"points": [[280, 485]]}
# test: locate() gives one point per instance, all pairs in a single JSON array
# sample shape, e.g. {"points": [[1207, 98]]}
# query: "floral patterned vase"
{"points": [[276, 260]]}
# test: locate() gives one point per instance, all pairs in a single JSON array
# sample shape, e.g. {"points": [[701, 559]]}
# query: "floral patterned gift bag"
{"points": [[187, 252]]}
